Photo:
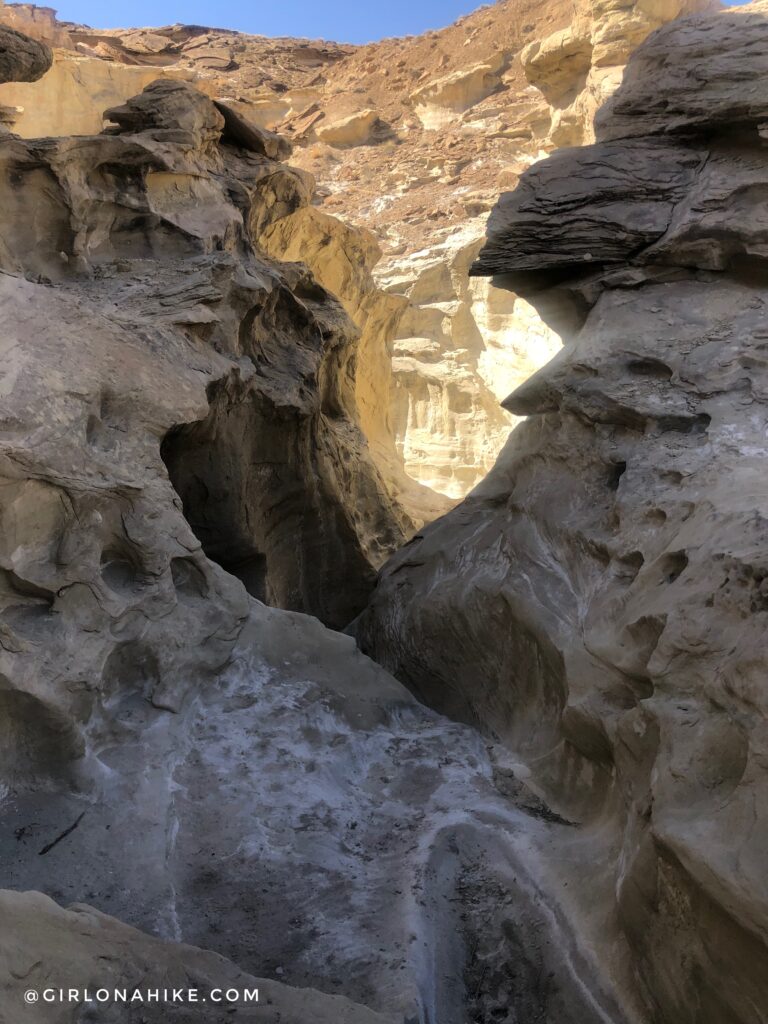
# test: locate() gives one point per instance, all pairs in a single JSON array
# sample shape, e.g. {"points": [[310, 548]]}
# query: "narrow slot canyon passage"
{"points": [[253, 490], [210, 492]]}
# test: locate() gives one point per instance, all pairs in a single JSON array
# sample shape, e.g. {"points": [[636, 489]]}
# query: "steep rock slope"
{"points": [[342, 259], [410, 139], [459, 112], [598, 603]]}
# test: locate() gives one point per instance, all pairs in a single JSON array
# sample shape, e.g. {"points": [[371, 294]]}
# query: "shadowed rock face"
{"points": [[280, 511], [598, 604], [22, 59]]}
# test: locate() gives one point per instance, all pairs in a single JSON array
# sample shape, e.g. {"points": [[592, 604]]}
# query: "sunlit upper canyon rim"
{"points": [[383, 562]]}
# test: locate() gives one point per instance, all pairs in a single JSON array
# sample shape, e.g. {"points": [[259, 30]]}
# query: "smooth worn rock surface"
{"points": [[46, 949], [156, 218], [596, 605], [342, 259], [304, 817], [180, 428]]}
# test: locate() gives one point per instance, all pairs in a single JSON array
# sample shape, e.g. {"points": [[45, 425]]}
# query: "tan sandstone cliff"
{"points": [[597, 606], [229, 777], [410, 140], [157, 218]]}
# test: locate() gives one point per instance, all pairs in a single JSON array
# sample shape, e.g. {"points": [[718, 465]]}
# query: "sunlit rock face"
{"points": [[437, 354], [597, 604], [410, 141], [22, 59], [459, 345], [343, 259]]}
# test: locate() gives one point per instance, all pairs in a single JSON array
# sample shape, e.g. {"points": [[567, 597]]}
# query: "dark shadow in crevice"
{"points": [[258, 491], [212, 500], [252, 573]]}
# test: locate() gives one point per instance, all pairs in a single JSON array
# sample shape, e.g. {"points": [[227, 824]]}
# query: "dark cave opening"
{"points": [[210, 490], [260, 488], [252, 573]]}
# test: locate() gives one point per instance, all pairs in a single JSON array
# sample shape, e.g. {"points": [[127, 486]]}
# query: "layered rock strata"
{"points": [[468, 108], [342, 258], [597, 604], [410, 139], [156, 217]]}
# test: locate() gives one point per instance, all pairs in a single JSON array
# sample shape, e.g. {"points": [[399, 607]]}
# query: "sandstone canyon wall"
{"points": [[227, 792], [178, 429], [597, 605], [410, 140], [156, 193]]}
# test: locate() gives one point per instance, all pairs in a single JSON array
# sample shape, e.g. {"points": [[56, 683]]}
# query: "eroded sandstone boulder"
{"points": [[22, 59], [355, 129], [437, 102], [596, 605]]}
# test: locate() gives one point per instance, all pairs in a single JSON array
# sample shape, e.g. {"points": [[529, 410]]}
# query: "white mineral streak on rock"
{"points": [[174, 752]]}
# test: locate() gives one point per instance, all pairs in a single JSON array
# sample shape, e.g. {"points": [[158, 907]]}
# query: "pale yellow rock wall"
{"points": [[579, 67], [38, 22], [461, 347], [464, 345], [342, 259], [72, 97]]}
